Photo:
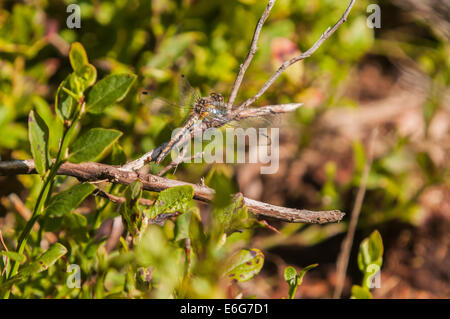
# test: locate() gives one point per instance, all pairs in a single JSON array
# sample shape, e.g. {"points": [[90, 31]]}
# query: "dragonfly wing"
{"points": [[256, 122], [159, 105], [187, 95]]}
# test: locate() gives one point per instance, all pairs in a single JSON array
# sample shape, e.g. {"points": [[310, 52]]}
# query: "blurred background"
{"points": [[394, 78]]}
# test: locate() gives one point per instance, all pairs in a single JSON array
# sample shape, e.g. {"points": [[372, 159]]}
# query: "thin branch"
{"points": [[95, 171], [342, 262], [300, 57], [253, 48], [120, 200], [148, 157]]}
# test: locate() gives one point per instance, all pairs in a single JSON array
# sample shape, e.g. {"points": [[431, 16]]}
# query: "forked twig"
{"points": [[328, 32], [251, 53]]}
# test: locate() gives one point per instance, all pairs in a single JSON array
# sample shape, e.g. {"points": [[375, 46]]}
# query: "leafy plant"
{"points": [[294, 279], [370, 260]]}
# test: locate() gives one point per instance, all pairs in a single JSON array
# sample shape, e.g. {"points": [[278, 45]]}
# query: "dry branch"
{"points": [[251, 53], [328, 32], [96, 171]]}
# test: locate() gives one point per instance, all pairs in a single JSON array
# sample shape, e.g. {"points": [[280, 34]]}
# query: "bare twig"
{"points": [[328, 32], [120, 200], [95, 171], [253, 48], [148, 157], [342, 262]]}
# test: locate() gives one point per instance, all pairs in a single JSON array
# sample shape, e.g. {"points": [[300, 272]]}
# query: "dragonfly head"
{"points": [[215, 97]]}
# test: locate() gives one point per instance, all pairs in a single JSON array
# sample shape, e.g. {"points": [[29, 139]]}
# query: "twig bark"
{"points": [[96, 171], [328, 32], [251, 53], [342, 262]]}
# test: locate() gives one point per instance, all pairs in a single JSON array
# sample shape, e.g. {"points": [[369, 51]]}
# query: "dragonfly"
{"points": [[210, 110]]}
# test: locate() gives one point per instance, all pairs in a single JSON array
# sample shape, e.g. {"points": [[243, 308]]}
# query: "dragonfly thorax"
{"points": [[209, 105]]}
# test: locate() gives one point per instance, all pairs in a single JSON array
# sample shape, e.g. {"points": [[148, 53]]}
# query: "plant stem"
{"points": [[43, 195]]}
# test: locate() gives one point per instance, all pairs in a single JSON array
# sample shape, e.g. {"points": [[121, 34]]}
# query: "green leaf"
{"points": [[232, 217], [303, 272], [109, 90], [182, 226], [370, 251], [38, 135], [78, 57], [92, 145], [290, 275], [359, 292], [66, 201], [13, 255], [294, 280], [65, 103], [130, 211], [245, 264], [42, 263], [220, 180], [80, 65], [172, 200]]}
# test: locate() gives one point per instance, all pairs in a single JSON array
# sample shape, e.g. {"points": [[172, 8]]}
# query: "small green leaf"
{"points": [[66, 201], [220, 180], [294, 280], [78, 57], [290, 275], [232, 217], [182, 226], [65, 103], [371, 251], [38, 135], [172, 200], [245, 264], [303, 272], [44, 261], [359, 292], [13, 255], [80, 65], [109, 90], [130, 211], [92, 145]]}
